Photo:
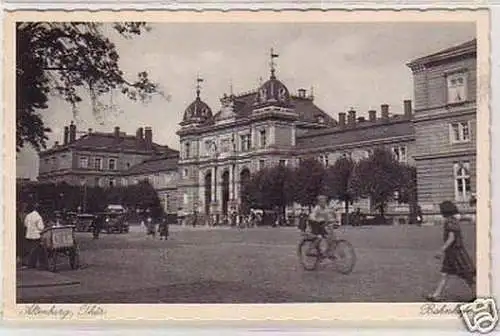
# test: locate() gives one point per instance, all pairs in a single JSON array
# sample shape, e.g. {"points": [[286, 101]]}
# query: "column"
{"points": [[213, 184], [231, 184]]}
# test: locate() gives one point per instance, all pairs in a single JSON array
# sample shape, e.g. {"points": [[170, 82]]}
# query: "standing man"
{"points": [[34, 227]]}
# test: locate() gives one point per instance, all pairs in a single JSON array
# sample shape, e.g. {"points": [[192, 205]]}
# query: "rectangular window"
{"points": [[185, 172], [98, 164], [112, 164], [462, 181], [245, 142], [187, 150], [282, 163], [263, 139], [460, 132], [84, 162], [208, 147], [400, 153], [457, 87], [225, 145], [124, 182]]}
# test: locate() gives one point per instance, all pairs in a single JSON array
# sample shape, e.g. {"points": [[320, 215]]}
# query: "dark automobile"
{"points": [[114, 222], [84, 222]]}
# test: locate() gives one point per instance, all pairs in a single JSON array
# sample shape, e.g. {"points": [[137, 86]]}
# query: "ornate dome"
{"points": [[273, 92], [197, 111]]}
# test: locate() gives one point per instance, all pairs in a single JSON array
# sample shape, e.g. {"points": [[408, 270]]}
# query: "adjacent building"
{"points": [[445, 125], [97, 158]]}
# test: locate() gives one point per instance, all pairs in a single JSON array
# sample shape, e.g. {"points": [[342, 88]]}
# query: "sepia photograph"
{"points": [[245, 162]]}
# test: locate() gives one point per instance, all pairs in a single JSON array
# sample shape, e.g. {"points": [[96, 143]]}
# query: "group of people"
{"points": [[150, 224], [453, 254]]}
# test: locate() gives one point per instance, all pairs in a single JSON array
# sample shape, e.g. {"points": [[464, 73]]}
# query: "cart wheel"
{"points": [[74, 258], [52, 261]]}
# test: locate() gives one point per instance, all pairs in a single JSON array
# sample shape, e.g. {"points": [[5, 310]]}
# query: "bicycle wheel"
{"points": [[309, 254], [344, 256]]}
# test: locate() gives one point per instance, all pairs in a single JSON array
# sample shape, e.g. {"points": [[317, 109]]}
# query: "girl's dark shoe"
{"points": [[432, 298]]}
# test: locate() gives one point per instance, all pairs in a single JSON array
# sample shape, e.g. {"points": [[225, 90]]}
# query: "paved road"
{"points": [[258, 265]]}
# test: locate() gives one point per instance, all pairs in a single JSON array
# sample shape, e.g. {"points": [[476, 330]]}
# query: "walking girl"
{"points": [[456, 260]]}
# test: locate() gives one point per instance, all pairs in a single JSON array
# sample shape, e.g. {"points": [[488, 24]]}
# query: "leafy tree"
{"points": [[308, 181], [408, 190], [378, 177], [66, 58], [270, 188], [338, 179]]}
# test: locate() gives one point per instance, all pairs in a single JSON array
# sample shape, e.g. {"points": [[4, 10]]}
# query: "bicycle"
{"points": [[339, 251]]}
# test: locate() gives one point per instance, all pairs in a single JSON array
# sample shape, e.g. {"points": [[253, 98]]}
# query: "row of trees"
{"points": [[64, 197], [378, 177]]}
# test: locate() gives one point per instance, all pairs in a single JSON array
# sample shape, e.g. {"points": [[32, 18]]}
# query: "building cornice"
{"points": [[444, 155], [359, 144]]}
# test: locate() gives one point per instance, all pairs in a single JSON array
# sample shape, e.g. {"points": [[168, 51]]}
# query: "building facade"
{"points": [[95, 158], [445, 124], [271, 126], [161, 171]]}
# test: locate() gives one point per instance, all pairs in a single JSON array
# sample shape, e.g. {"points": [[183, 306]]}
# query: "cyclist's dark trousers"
{"points": [[318, 228]]}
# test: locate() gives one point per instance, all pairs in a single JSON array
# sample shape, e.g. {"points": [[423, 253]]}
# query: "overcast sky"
{"points": [[348, 65]]}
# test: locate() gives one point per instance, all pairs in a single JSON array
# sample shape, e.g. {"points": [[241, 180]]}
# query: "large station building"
{"points": [[222, 146]]}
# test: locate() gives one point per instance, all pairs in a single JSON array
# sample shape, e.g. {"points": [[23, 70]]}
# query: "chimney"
{"points": [[90, 131], [117, 132], [372, 115], [56, 144], [342, 119], [385, 111], [72, 132], [66, 135], [148, 137], [407, 109], [352, 117], [139, 134], [361, 119], [302, 93]]}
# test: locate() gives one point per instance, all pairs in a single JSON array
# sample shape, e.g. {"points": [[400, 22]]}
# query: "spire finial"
{"points": [[231, 93], [272, 64], [312, 92], [198, 85]]}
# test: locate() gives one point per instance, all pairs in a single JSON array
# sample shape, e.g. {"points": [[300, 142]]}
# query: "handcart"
{"points": [[60, 241]]}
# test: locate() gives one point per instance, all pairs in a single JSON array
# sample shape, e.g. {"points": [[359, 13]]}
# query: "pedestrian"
{"points": [[34, 228], [303, 217], [97, 225], [151, 226], [164, 228], [455, 259]]}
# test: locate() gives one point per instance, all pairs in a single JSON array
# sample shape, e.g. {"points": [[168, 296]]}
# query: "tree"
{"points": [[338, 179], [270, 188], [66, 58], [308, 181], [378, 177], [408, 190]]}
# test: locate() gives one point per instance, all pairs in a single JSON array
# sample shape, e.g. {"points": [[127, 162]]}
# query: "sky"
{"points": [[358, 65]]}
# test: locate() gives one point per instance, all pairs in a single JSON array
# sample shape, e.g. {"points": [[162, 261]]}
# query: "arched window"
{"points": [[462, 181]]}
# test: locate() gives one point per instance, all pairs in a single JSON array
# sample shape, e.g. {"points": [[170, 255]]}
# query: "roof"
{"points": [[368, 131], [154, 165], [109, 141], [305, 107], [468, 47]]}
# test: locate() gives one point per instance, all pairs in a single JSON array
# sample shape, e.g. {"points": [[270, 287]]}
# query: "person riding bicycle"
{"points": [[320, 217]]}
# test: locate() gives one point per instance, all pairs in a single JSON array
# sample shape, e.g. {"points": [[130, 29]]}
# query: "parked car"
{"points": [[84, 222], [115, 222]]}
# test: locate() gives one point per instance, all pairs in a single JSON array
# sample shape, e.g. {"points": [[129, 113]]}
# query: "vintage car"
{"points": [[114, 222], [84, 222]]}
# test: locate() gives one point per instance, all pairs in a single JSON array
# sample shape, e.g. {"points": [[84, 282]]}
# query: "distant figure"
{"points": [[456, 260], [303, 220], [97, 225], [164, 228], [34, 227], [150, 224]]}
